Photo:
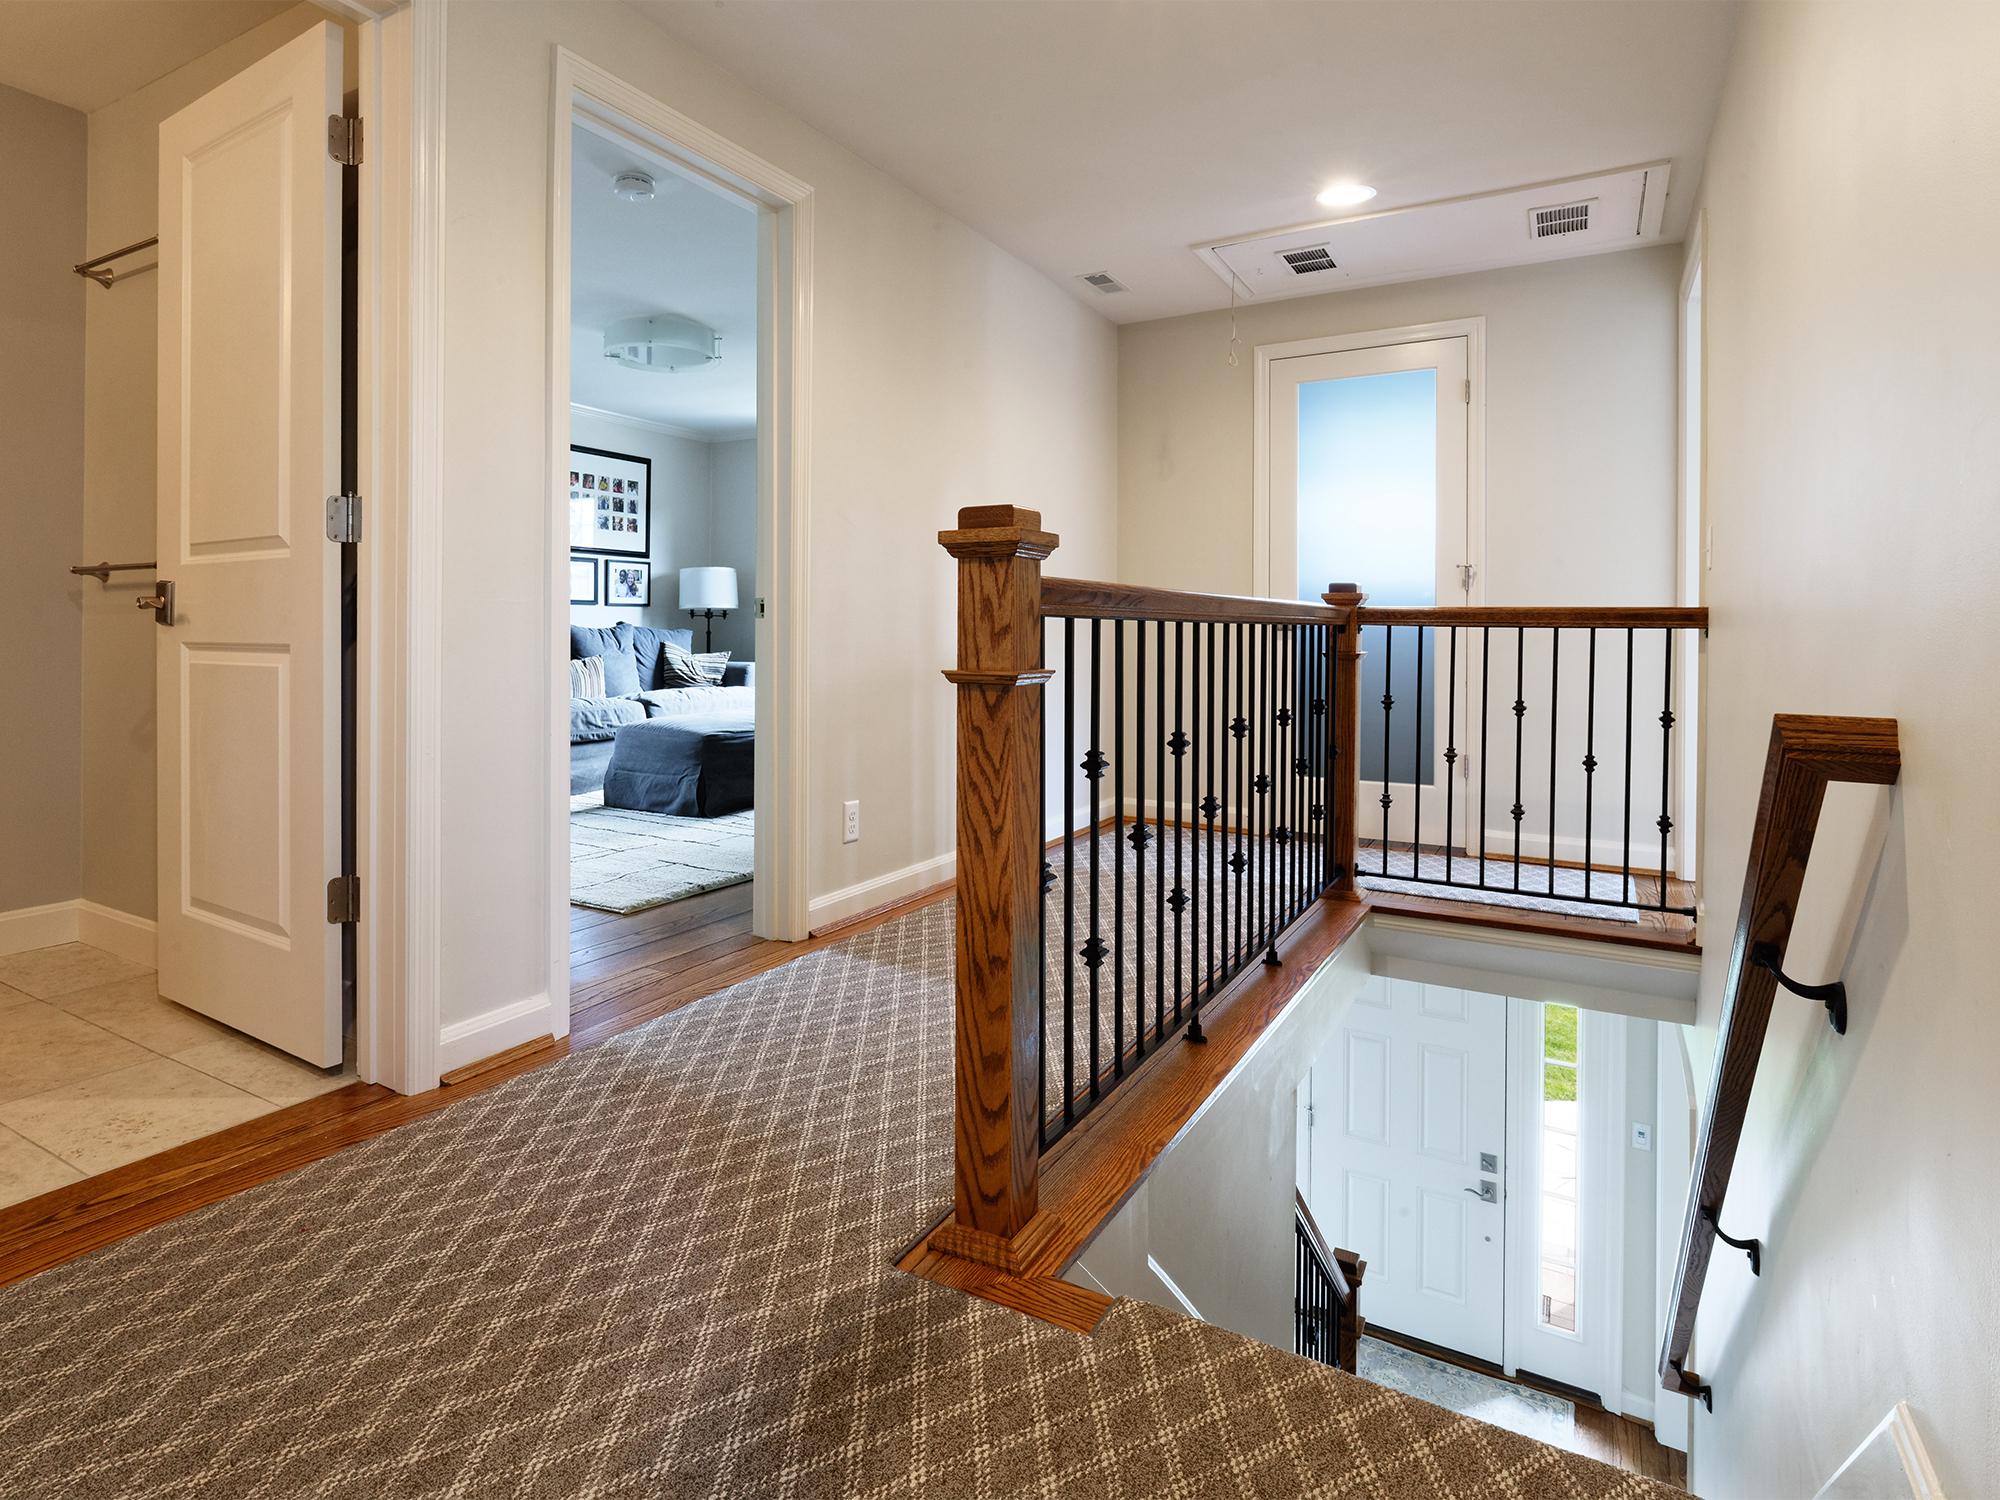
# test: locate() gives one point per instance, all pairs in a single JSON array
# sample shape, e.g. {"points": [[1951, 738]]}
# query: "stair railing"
{"points": [[1806, 753], [1326, 1300]]}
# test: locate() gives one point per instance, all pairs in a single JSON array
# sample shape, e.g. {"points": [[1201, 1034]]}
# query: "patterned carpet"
{"points": [[626, 861], [661, 1267]]}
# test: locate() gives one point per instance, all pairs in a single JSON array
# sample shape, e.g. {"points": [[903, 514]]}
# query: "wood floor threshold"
{"points": [[1090, 1173]]}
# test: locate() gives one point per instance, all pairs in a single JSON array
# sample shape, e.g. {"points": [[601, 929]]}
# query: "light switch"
{"points": [[1642, 1137]]}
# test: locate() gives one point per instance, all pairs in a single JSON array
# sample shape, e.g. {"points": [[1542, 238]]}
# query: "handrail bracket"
{"points": [[1833, 995], [1752, 1247]]}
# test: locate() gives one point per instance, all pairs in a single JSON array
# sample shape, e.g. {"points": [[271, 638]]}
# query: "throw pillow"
{"points": [[586, 677], [712, 665], [679, 667], [621, 677], [645, 642]]}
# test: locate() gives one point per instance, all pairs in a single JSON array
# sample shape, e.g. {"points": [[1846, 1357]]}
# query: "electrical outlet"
{"points": [[1642, 1138], [850, 822]]}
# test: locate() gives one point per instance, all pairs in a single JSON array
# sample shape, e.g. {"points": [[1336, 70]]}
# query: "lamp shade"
{"points": [[708, 588]]}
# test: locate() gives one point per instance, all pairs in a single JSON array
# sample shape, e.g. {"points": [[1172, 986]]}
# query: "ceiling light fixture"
{"points": [[632, 186], [663, 343], [1345, 194]]}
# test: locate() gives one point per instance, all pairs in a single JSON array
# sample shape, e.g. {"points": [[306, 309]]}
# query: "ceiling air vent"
{"points": [[1559, 219], [1305, 262], [1102, 281]]}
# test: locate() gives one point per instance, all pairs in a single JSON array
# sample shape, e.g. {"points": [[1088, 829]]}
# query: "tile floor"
{"points": [[96, 1070]]}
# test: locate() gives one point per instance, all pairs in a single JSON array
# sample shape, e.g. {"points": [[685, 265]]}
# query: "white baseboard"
{"points": [[79, 921], [37, 927], [491, 1032], [897, 885], [134, 939]]}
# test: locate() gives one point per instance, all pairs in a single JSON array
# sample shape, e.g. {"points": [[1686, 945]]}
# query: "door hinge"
{"points": [[343, 900], [1468, 393], [1309, 1117], [343, 518], [1466, 573], [343, 139]]}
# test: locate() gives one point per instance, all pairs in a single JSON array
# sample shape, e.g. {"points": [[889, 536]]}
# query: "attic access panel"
{"points": [[1517, 226]]}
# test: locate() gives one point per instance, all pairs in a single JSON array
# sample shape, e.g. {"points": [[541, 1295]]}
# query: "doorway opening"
{"points": [[1471, 1148], [680, 326]]}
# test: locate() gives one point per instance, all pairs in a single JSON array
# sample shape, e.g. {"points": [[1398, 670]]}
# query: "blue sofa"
{"points": [[633, 693]]}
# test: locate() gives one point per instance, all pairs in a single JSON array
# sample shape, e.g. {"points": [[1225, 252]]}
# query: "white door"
{"points": [[249, 448], [1404, 1161], [1370, 484]]}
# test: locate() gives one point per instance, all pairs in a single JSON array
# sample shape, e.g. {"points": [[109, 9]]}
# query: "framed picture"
{"points": [[583, 580], [610, 504], [628, 584]]}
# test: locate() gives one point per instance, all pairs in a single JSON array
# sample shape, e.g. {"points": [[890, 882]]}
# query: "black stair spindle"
{"points": [[1118, 848], [1485, 734], [1555, 697], [1069, 874], [1182, 748], [1590, 763], [1388, 705], [1160, 827], [1137, 839], [1417, 771], [1666, 763], [1625, 888], [1520, 716], [1042, 904], [1450, 752], [1239, 857], [1093, 949]]}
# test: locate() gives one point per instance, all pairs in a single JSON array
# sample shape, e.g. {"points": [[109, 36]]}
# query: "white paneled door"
{"points": [[249, 449], [1404, 1158]]}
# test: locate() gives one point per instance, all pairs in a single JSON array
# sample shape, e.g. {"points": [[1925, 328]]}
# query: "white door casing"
{"points": [[1406, 1101], [1284, 370], [249, 447]]}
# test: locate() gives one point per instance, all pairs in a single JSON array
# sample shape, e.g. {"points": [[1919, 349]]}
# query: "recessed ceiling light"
{"points": [[1345, 194]]}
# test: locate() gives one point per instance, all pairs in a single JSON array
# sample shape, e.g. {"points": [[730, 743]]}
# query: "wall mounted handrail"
{"points": [[1806, 753]]}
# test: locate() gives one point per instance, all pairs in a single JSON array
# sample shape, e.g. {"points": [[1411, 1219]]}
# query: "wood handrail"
{"points": [[1086, 599], [1806, 753], [1610, 617], [1337, 1261]]}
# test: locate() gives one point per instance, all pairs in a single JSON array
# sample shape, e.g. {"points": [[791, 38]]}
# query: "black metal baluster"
{"points": [[1450, 753], [1137, 839], [1181, 748], [1117, 848], [1093, 767], [1388, 703], [1294, 783], [1555, 697], [1329, 753], [1265, 792], [1160, 828], [1207, 810], [1042, 900], [1520, 715], [1069, 873], [1218, 772], [1625, 885], [1239, 858], [1666, 764], [1417, 767], [1485, 734], [1589, 764]]}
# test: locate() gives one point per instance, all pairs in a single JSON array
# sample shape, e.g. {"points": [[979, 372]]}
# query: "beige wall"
{"points": [[1579, 421], [945, 373], [120, 386], [1853, 366], [41, 507]]}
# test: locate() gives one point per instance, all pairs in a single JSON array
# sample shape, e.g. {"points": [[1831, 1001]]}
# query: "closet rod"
{"points": [[105, 278], [102, 571]]}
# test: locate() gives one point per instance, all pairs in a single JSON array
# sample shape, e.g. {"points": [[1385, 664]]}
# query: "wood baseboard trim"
{"points": [[525, 1052]]}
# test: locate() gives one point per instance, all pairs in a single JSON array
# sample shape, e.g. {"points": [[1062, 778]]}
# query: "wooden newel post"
{"points": [[999, 678], [1346, 731]]}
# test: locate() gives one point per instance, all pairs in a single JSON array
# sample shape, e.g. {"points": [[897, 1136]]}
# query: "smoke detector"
{"points": [[664, 342], [632, 186]]}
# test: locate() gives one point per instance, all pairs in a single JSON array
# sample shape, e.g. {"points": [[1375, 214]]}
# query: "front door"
{"points": [[248, 675], [1404, 1163], [1370, 484]]}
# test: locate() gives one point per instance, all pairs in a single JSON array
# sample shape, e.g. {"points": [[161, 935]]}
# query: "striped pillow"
{"points": [[679, 667], [586, 677], [712, 664]]}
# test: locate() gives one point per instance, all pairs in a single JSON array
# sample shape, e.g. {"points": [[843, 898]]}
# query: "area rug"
{"points": [[1542, 888], [626, 861], [663, 1266], [1531, 1413]]}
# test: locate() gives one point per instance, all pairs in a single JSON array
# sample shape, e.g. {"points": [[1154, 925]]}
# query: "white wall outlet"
{"points": [[1642, 1137], [850, 822]]}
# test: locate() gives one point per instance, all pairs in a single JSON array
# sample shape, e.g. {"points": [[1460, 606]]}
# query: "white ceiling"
{"points": [[691, 250], [1114, 135], [86, 53]]}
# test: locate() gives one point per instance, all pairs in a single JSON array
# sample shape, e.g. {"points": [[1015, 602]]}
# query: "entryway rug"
{"points": [[1531, 1413], [626, 861]]}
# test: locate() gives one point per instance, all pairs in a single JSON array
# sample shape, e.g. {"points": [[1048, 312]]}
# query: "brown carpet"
{"points": [[661, 1267]]}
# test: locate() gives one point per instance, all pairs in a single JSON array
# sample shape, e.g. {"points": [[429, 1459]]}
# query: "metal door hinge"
{"points": [[1468, 389], [343, 518], [1466, 573], [343, 139], [343, 900]]}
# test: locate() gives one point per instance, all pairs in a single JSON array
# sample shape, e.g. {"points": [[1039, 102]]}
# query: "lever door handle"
{"points": [[161, 603], [1488, 1191]]}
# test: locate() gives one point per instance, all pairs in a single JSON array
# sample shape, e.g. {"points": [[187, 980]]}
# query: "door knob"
{"points": [[1488, 1191], [162, 603]]}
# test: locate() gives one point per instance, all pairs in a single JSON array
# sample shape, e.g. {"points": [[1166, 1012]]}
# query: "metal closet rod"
{"points": [[105, 278], [102, 571]]}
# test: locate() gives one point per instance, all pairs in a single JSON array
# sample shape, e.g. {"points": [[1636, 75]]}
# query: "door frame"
{"points": [[1473, 331], [1691, 547], [585, 92]]}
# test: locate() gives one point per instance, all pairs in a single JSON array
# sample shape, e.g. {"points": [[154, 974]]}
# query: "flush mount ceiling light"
{"points": [[632, 186], [665, 342], [1345, 194]]}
